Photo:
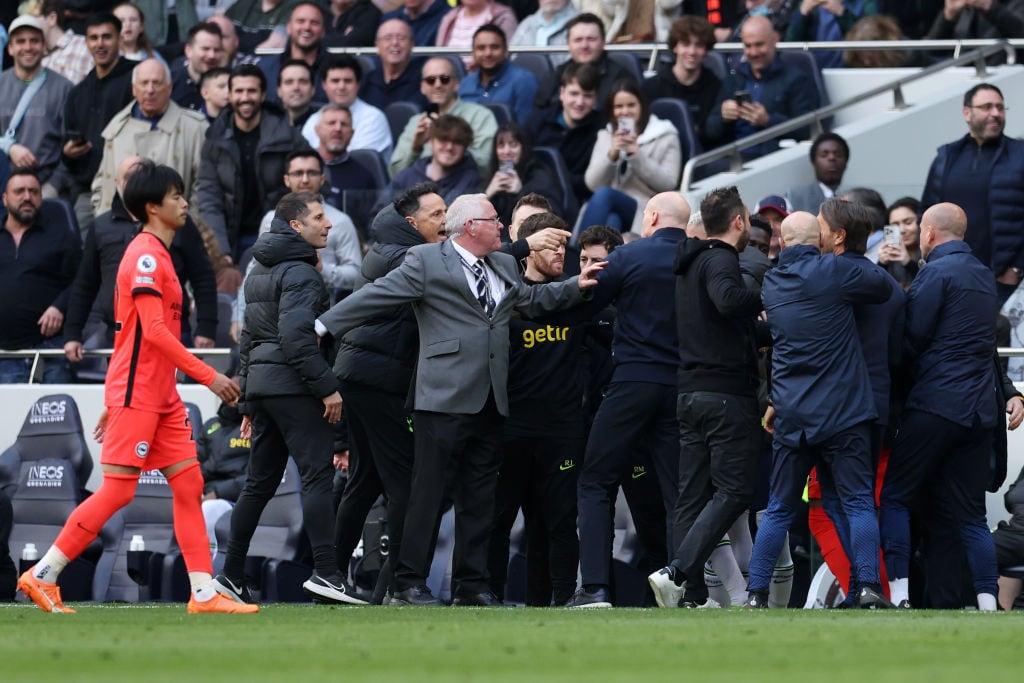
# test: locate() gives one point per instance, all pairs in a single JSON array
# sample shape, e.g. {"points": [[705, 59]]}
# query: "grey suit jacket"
{"points": [[463, 354], [806, 198]]}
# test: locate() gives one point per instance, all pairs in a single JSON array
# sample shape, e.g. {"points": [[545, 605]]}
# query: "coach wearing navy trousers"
{"points": [[463, 293], [822, 402], [639, 407], [946, 434]]}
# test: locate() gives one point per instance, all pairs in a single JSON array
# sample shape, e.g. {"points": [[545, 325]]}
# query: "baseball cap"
{"points": [[773, 201], [26, 21]]}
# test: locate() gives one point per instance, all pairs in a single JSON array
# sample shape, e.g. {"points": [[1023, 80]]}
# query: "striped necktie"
{"points": [[483, 290]]}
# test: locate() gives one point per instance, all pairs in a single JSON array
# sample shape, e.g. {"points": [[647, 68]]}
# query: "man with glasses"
{"points": [[397, 79], [463, 292], [440, 85], [981, 172]]}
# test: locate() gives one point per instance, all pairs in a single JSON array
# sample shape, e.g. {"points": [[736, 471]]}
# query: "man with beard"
{"points": [[543, 438], [375, 366], [719, 420], [497, 79], [351, 185], [398, 78], [981, 173], [37, 264], [829, 155], [243, 162]]}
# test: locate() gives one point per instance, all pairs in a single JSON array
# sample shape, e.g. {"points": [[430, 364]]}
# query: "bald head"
{"points": [[665, 210], [124, 169], [800, 227], [759, 38], [942, 223]]}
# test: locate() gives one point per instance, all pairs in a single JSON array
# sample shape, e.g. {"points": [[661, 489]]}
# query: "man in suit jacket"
{"points": [[463, 293], [829, 155]]}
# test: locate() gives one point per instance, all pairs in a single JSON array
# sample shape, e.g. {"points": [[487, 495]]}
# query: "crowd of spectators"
{"points": [[91, 87]]}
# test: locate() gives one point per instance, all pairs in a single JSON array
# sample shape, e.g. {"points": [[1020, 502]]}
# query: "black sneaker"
{"points": [[331, 589], [757, 600], [583, 599], [870, 598], [237, 592]]}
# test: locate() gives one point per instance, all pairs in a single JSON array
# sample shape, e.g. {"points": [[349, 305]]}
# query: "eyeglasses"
{"points": [[495, 219], [1001, 108], [304, 174], [431, 80]]}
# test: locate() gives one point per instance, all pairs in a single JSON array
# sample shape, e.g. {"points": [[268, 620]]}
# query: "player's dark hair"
{"points": [[408, 202], [608, 237], [718, 208], [150, 183], [856, 219], [295, 205], [539, 221]]}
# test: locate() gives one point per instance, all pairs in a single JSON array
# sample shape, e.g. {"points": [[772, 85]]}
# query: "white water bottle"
{"points": [[29, 553], [137, 544]]}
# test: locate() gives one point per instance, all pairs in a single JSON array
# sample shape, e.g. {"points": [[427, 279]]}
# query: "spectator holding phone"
{"points": [[900, 251], [515, 172], [635, 157], [762, 92]]}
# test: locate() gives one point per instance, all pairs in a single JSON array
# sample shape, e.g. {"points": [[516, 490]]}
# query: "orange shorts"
{"points": [[147, 440]]}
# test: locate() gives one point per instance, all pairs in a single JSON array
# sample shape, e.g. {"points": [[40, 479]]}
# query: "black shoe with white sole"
{"points": [[331, 589], [238, 592]]}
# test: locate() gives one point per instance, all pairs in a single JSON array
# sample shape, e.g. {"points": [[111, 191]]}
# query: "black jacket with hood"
{"points": [[381, 352], [284, 294], [715, 316]]}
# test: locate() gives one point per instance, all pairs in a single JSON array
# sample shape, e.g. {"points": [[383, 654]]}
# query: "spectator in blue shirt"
{"points": [[496, 79]]}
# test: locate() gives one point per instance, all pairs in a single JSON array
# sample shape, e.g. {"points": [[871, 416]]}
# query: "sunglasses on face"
{"points": [[431, 80]]}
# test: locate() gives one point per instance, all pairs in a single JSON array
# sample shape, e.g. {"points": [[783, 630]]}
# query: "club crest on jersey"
{"points": [[147, 263], [142, 449]]}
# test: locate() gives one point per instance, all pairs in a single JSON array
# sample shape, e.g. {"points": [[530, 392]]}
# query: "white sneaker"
{"points": [[666, 592], [710, 603]]}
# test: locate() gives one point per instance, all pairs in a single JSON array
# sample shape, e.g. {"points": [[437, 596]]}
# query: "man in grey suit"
{"points": [[463, 293], [829, 156]]}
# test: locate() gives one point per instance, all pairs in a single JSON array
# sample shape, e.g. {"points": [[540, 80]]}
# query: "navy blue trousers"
{"points": [[845, 469], [950, 462]]}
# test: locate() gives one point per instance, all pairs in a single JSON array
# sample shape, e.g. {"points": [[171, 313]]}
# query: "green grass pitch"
{"points": [[303, 643]]}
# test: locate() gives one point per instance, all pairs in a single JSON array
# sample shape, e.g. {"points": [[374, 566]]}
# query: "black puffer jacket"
{"points": [[381, 353], [284, 294]]}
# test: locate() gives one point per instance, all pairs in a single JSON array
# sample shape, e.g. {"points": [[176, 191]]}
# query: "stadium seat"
{"points": [[715, 63], [458, 65], [535, 62], [149, 515], [553, 159], [52, 429], [804, 61], [629, 61], [398, 114], [46, 493], [374, 163], [502, 112], [368, 63], [277, 546], [674, 110], [59, 212]]}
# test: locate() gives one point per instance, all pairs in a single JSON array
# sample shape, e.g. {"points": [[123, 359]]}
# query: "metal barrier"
{"points": [[37, 354], [814, 119]]}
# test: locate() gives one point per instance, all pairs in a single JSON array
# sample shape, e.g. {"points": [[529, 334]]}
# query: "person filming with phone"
{"points": [[762, 92], [636, 156], [516, 173]]}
